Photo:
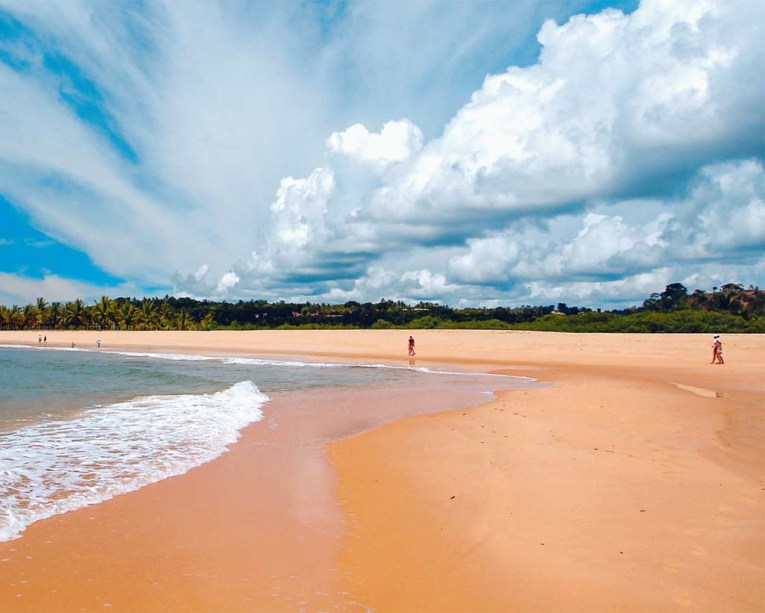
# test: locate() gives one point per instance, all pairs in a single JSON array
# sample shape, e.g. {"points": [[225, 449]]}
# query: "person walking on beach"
{"points": [[717, 356], [98, 343], [411, 345]]}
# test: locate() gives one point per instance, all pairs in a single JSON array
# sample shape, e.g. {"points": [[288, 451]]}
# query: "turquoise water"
{"points": [[40, 383], [79, 427]]}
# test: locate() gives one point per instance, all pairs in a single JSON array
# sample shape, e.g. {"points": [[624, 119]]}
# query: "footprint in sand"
{"points": [[683, 598], [673, 567], [721, 519]]}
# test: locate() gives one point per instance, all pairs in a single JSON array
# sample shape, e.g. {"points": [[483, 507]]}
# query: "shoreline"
{"points": [[644, 484], [161, 530]]}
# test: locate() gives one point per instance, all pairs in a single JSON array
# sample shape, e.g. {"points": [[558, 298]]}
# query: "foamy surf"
{"points": [[57, 466]]}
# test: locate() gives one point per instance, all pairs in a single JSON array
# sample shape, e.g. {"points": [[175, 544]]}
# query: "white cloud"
{"points": [[607, 95], [396, 142], [425, 283], [707, 230], [227, 281], [376, 281], [323, 216], [300, 206], [21, 290], [201, 272], [629, 289], [486, 260], [726, 211]]}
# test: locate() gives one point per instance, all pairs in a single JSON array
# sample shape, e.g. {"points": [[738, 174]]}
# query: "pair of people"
{"points": [[717, 356]]}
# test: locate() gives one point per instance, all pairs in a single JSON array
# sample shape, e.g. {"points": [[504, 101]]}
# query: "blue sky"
{"points": [[473, 153]]}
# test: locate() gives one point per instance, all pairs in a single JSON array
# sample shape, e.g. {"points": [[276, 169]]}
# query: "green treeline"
{"points": [[730, 308]]}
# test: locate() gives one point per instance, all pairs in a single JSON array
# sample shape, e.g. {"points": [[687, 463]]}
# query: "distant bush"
{"points": [[681, 321], [488, 324], [427, 322], [382, 324]]}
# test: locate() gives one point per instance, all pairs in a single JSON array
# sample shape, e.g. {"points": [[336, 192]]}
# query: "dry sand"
{"points": [[635, 483]]}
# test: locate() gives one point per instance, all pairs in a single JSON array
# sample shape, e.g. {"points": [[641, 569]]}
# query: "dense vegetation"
{"points": [[730, 308]]}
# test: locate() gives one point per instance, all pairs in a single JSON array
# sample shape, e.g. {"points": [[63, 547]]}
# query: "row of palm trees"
{"points": [[103, 314]]}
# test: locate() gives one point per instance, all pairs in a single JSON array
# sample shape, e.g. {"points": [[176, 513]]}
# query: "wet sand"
{"points": [[634, 484]]}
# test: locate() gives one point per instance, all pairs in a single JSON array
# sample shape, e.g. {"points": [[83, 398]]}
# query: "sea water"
{"points": [[80, 427]]}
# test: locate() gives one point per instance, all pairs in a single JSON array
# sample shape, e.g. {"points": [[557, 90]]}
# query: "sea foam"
{"points": [[58, 466]]}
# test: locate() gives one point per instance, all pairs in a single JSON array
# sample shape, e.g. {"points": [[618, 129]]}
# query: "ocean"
{"points": [[78, 427]]}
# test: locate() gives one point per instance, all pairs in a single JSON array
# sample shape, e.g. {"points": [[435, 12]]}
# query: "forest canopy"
{"points": [[729, 308]]}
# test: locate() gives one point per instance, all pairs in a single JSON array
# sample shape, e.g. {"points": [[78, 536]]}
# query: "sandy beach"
{"points": [[634, 482]]}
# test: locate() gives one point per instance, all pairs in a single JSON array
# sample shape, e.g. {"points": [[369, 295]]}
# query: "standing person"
{"points": [[98, 343], [717, 351], [411, 345], [39, 339], [717, 355]]}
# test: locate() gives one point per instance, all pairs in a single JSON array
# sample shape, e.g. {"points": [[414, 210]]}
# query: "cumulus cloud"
{"points": [[610, 108], [320, 226], [227, 281], [555, 177], [396, 142], [634, 238]]}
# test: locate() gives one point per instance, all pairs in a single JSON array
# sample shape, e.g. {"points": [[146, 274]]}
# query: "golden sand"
{"points": [[635, 483]]}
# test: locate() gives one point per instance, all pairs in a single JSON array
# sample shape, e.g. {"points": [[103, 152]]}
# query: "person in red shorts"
{"points": [[717, 357]]}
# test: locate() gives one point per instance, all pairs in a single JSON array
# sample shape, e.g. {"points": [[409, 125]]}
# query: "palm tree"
{"points": [[166, 315], [42, 312], [183, 321], [127, 315], [54, 314], [103, 312], [208, 321], [30, 317], [146, 317], [13, 318], [5, 317], [74, 314]]}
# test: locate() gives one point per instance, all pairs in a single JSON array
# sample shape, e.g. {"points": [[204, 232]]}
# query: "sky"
{"points": [[473, 153]]}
